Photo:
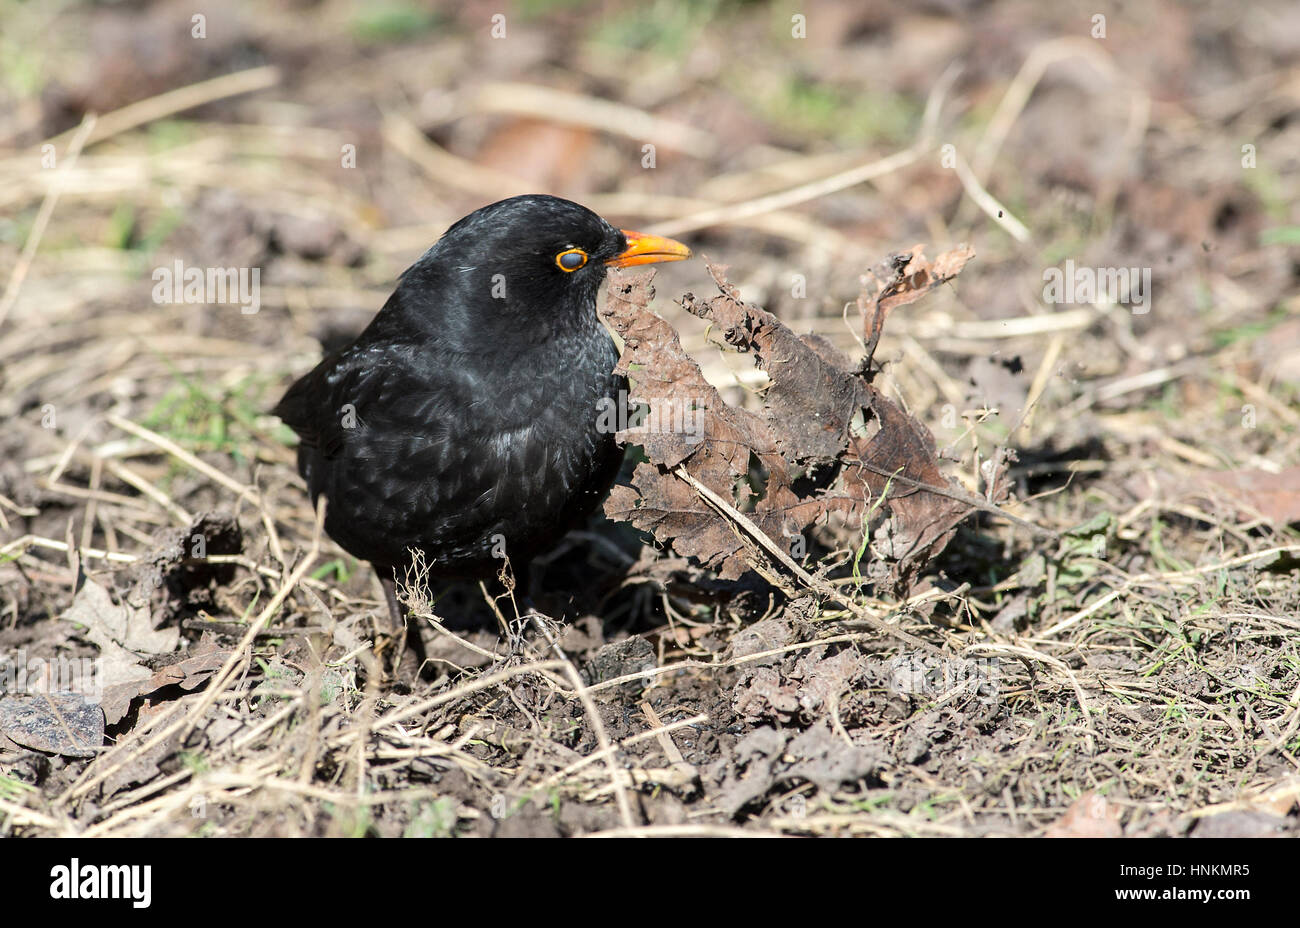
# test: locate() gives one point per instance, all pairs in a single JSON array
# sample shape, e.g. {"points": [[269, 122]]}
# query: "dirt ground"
{"points": [[1130, 668]]}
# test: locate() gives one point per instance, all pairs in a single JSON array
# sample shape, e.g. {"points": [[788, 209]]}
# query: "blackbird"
{"points": [[465, 422]]}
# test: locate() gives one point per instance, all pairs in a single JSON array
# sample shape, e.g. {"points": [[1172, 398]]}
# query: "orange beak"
{"points": [[649, 249]]}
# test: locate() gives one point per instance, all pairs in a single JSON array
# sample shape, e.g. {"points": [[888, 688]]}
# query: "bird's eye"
{"points": [[571, 259]]}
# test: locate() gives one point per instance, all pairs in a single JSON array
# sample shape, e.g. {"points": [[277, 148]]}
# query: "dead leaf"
{"points": [[143, 767], [107, 623], [1277, 354], [57, 723], [827, 443], [904, 278], [1089, 816], [1274, 496], [124, 635], [189, 673], [115, 701], [542, 154]]}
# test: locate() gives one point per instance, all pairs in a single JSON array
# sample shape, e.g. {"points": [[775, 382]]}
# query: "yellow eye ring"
{"points": [[571, 259]]}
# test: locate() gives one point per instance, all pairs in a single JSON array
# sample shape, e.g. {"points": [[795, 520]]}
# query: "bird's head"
{"points": [[533, 257]]}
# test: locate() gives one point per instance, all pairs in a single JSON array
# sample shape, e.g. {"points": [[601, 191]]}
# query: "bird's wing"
{"points": [[365, 394], [398, 436]]}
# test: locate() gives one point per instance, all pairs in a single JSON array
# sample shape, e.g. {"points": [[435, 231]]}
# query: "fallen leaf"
{"points": [[57, 723], [904, 278], [541, 154], [1089, 816], [828, 444], [1274, 496], [141, 768], [188, 673], [115, 701], [108, 623], [124, 635]]}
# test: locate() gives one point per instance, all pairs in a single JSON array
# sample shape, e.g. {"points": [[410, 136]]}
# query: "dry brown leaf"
{"points": [[904, 278], [57, 723], [1089, 816], [188, 673], [541, 154], [827, 442], [124, 635], [1274, 496], [108, 623]]}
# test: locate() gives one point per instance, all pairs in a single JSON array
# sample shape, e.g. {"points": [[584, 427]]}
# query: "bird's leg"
{"points": [[528, 610], [512, 583], [524, 588], [396, 616]]}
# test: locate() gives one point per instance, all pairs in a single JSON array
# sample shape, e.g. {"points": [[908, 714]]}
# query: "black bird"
{"points": [[465, 421]]}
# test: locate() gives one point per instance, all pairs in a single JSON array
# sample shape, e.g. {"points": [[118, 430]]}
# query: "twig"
{"points": [[252, 494], [986, 202], [1152, 579], [661, 731], [26, 816], [722, 215], [537, 102], [819, 188], [597, 723], [181, 99], [446, 168]]}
